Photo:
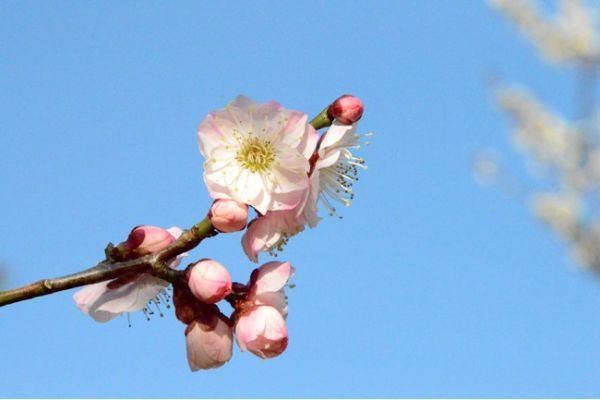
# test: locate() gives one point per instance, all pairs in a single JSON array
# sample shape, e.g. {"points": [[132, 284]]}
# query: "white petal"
{"points": [[103, 304]]}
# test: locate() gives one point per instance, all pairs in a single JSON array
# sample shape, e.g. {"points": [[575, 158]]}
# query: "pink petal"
{"points": [[277, 300], [261, 235], [272, 277]]}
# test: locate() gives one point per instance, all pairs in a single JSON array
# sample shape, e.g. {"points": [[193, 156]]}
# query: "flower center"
{"points": [[256, 155]]}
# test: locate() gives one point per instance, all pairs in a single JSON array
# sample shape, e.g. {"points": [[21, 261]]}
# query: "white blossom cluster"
{"points": [[566, 195], [568, 37]]}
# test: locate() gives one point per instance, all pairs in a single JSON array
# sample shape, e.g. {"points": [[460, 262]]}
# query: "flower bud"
{"points": [[228, 215], [146, 239], [208, 347], [209, 281], [347, 109], [261, 330]]}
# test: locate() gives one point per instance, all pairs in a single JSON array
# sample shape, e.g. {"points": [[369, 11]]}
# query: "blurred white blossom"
{"points": [[567, 37], [560, 211], [566, 195], [552, 142]]}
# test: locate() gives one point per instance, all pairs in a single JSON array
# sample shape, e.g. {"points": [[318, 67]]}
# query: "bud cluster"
{"points": [[261, 157], [258, 319]]}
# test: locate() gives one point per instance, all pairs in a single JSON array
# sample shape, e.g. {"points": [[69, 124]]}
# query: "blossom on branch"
{"points": [[334, 170], [260, 318], [105, 300], [256, 154]]}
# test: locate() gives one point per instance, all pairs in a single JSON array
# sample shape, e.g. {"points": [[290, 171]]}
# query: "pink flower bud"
{"points": [[261, 330], [146, 239], [228, 215], [346, 109], [209, 281], [208, 347]]}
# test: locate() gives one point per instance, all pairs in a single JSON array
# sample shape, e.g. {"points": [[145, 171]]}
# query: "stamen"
{"points": [[256, 155]]}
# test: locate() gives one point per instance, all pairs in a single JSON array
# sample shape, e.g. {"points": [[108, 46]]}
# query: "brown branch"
{"points": [[156, 264]]}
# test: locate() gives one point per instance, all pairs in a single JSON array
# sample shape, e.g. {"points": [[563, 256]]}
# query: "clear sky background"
{"points": [[430, 285]]}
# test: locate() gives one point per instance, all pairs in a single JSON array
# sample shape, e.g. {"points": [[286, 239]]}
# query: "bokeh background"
{"points": [[429, 286]]}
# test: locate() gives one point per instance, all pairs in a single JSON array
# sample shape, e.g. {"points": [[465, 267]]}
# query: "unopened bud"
{"points": [[209, 281], [228, 215], [208, 347], [347, 109], [146, 239], [261, 330]]}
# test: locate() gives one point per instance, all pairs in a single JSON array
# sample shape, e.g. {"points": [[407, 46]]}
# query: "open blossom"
{"points": [[228, 215], [256, 154], [333, 173], [105, 300], [209, 281], [260, 326], [209, 345]]}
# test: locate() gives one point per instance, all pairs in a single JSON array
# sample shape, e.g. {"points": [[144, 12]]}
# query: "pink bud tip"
{"points": [[347, 109], [209, 281], [228, 215], [146, 239], [261, 330]]}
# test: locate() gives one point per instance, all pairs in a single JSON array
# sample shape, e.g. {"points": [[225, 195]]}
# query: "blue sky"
{"points": [[430, 285]]}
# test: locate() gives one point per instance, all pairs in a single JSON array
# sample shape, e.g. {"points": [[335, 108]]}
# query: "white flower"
{"points": [[332, 176], [570, 37], [561, 212], [552, 140], [256, 154]]}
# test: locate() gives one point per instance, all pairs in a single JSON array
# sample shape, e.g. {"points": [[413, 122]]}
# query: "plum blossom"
{"points": [[333, 172], [209, 281], [209, 345], [260, 322], [105, 300], [256, 154]]}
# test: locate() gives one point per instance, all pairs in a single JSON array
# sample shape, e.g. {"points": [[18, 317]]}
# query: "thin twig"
{"points": [[155, 264]]}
